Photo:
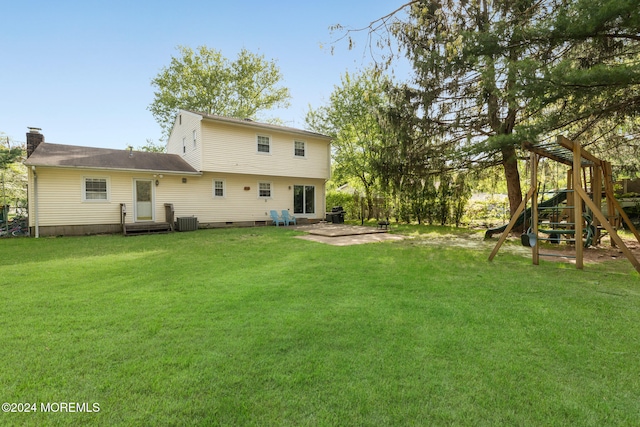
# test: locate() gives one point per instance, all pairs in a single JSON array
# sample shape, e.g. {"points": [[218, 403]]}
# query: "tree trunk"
{"points": [[511, 174]]}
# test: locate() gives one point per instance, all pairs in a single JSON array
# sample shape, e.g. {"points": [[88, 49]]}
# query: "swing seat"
{"points": [[529, 239]]}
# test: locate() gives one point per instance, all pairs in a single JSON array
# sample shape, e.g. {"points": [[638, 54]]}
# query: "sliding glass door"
{"points": [[304, 199]]}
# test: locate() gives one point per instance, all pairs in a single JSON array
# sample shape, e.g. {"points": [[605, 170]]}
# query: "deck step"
{"points": [[147, 228]]}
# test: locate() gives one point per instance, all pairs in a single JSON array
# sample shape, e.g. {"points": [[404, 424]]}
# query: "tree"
{"points": [[350, 119], [592, 91], [152, 147], [9, 153], [14, 174], [205, 81], [491, 74]]}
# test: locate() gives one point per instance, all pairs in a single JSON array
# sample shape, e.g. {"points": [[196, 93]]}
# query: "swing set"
{"points": [[581, 222]]}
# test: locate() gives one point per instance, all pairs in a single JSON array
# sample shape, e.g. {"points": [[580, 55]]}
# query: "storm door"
{"points": [[144, 199]]}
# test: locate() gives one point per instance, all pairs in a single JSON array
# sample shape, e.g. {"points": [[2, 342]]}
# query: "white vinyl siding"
{"points": [[232, 149], [186, 133], [60, 200]]}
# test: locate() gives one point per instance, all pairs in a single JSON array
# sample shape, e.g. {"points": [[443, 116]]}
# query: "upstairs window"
{"points": [[299, 149], [184, 145], [264, 144]]}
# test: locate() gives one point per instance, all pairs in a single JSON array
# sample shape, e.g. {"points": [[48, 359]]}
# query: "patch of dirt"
{"points": [[561, 253], [355, 239], [603, 252], [343, 235]]}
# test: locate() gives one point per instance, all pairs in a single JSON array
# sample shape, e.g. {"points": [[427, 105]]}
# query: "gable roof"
{"points": [[254, 124], [73, 156]]}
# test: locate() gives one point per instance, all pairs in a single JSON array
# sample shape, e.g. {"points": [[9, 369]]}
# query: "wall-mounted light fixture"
{"points": [[184, 180], [157, 182]]}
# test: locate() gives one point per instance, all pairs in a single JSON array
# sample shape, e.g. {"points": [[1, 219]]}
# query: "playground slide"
{"points": [[553, 201]]}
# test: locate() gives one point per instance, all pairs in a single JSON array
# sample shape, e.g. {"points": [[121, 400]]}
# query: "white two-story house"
{"points": [[222, 171], [250, 168]]}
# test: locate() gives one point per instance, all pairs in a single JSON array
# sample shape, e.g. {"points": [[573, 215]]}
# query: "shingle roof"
{"points": [[72, 156], [251, 123]]}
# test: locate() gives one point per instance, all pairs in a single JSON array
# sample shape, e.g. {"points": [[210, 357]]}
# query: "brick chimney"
{"points": [[34, 138]]}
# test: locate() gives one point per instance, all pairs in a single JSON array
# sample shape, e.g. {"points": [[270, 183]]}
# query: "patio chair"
{"points": [[288, 219], [276, 219]]}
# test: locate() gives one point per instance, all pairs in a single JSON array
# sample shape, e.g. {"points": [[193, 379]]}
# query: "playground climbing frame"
{"points": [[588, 179]]}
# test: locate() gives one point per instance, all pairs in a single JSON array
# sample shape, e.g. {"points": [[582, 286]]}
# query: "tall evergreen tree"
{"points": [[490, 74]]}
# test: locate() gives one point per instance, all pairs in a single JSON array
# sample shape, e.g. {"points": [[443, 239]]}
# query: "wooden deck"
{"points": [[146, 228]]}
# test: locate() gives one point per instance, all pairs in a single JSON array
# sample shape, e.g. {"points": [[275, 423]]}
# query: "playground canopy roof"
{"points": [[561, 150]]}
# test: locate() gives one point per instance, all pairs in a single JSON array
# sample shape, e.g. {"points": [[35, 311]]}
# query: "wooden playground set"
{"points": [[580, 221]]}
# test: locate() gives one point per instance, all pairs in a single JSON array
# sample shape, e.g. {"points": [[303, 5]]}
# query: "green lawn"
{"points": [[255, 327]]}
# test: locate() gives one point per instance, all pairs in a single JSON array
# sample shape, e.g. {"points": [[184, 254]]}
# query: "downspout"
{"points": [[35, 201]]}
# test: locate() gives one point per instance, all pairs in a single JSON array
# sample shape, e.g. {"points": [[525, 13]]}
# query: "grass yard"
{"points": [[255, 327]]}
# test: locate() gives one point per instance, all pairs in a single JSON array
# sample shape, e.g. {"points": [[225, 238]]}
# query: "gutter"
{"points": [[35, 201], [119, 169]]}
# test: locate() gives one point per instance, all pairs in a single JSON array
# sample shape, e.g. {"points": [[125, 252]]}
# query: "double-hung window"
{"points": [[299, 149], [264, 189], [218, 188], [264, 144], [95, 189]]}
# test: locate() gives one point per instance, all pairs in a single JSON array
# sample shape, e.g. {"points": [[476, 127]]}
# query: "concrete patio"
{"points": [[344, 235]]}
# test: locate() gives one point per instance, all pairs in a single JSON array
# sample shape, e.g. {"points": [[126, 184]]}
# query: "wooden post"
{"points": [[625, 218], [612, 231], [570, 202], [596, 189], [608, 189], [507, 230], [535, 251], [577, 204]]}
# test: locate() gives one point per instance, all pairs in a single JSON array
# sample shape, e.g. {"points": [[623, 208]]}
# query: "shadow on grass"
{"points": [[27, 250]]}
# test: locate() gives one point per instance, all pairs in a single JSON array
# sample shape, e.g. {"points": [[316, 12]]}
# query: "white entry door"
{"points": [[144, 199]]}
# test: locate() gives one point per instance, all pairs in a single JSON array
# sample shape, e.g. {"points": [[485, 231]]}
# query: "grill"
{"points": [[187, 223], [336, 215]]}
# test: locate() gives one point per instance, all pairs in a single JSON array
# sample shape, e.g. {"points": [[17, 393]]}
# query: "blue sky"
{"points": [[81, 70]]}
